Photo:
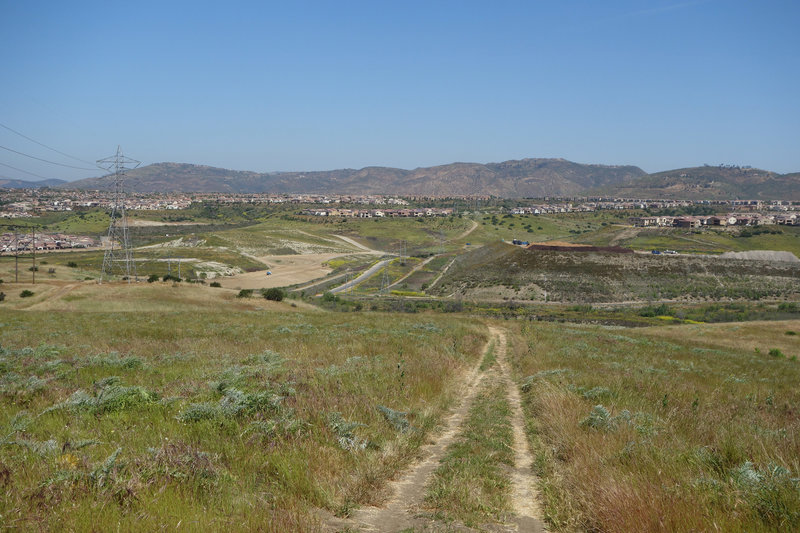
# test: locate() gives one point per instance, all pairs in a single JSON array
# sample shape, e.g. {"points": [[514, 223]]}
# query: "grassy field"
{"points": [[231, 418], [540, 228], [713, 241], [687, 428]]}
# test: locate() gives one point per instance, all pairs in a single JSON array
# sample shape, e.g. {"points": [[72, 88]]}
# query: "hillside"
{"points": [[22, 184], [502, 271], [526, 177], [710, 183]]}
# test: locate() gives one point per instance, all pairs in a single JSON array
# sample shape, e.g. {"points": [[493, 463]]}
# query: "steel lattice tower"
{"points": [[119, 255], [384, 282]]}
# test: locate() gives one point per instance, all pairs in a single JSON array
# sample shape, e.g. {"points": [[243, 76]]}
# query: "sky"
{"points": [[279, 86]]}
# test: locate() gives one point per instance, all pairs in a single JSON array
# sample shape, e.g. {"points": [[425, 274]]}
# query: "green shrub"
{"points": [[72, 264], [775, 352], [216, 284], [26, 294], [245, 293], [275, 294]]}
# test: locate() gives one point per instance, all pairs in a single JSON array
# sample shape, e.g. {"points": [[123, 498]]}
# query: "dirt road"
{"points": [[402, 511]]}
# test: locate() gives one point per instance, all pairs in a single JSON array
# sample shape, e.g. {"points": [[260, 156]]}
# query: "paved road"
{"points": [[365, 275]]}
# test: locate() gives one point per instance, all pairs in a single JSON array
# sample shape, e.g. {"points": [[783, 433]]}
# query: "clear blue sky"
{"points": [[270, 86]]}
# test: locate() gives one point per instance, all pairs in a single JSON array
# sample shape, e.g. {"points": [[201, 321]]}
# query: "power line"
{"points": [[48, 147], [26, 172], [45, 160]]}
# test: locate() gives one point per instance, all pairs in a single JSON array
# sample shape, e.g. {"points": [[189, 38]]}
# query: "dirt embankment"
{"points": [[762, 255], [504, 271]]}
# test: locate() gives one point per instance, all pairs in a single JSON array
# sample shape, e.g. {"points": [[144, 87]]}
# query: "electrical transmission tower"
{"points": [[384, 282], [119, 255]]}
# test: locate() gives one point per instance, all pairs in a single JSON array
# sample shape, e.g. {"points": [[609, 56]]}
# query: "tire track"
{"points": [[401, 511], [524, 496]]}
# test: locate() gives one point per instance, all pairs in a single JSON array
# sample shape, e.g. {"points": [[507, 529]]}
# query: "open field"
{"points": [[244, 413], [208, 419], [674, 429]]}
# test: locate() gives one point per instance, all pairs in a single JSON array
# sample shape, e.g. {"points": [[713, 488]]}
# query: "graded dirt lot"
{"points": [[286, 270]]}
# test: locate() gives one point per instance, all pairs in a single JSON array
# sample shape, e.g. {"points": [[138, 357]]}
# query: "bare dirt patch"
{"points": [[286, 270]]}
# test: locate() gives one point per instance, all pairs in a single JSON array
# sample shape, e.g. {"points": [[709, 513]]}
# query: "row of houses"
{"points": [[380, 213], [44, 242], [754, 219]]}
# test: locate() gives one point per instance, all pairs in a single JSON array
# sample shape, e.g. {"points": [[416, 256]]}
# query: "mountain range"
{"points": [[22, 184], [526, 177], [509, 179]]}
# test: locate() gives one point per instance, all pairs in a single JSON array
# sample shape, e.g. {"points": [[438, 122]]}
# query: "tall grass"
{"points": [[639, 433]]}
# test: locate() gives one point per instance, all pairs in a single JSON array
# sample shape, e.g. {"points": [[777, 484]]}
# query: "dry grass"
{"points": [[636, 433]]}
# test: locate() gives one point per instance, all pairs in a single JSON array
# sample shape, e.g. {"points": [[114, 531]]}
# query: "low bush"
{"points": [[275, 294], [26, 294]]}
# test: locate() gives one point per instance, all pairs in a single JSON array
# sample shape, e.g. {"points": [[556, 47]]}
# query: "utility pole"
{"points": [[33, 245], [16, 255], [118, 229], [384, 282]]}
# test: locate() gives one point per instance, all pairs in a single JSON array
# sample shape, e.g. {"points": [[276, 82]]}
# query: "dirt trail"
{"points": [[54, 295], [413, 270], [524, 496], [401, 511], [442, 273], [358, 245], [467, 232]]}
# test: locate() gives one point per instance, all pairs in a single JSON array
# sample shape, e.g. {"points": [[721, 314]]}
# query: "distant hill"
{"points": [[710, 183], [22, 184], [526, 177]]}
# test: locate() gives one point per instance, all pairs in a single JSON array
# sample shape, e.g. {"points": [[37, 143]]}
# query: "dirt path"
{"points": [[55, 292], [524, 496], [470, 230], [402, 511], [358, 245], [441, 274], [415, 269], [626, 234]]}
